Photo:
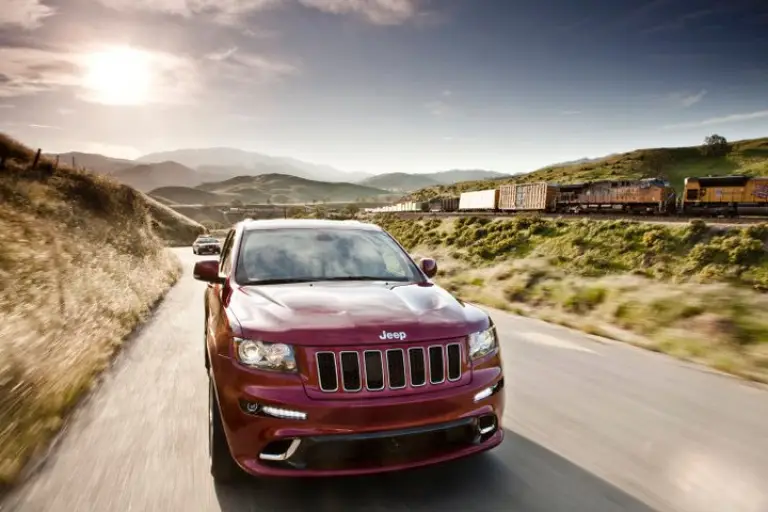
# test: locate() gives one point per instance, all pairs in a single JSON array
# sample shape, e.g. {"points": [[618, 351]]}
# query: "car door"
{"points": [[216, 317]]}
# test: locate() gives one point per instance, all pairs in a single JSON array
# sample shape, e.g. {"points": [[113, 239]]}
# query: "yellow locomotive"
{"points": [[725, 195]]}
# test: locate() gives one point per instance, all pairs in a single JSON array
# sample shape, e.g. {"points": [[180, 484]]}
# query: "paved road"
{"points": [[592, 427]]}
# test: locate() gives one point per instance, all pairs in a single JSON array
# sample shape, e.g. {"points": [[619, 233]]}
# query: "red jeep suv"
{"points": [[330, 352]]}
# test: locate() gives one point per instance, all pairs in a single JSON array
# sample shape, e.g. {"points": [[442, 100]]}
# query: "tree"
{"points": [[715, 145], [236, 203]]}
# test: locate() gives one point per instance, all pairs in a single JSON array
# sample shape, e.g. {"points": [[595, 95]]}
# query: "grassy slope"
{"points": [[186, 195], [694, 292], [399, 181], [80, 265], [282, 188], [747, 157]]}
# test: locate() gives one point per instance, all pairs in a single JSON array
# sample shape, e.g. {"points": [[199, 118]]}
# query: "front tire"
{"points": [[224, 469]]}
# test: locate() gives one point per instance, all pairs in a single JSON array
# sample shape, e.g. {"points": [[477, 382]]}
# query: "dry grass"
{"points": [[691, 292], [80, 267]]}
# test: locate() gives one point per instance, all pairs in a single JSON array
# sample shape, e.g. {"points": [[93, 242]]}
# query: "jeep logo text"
{"points": [[392, 335]]}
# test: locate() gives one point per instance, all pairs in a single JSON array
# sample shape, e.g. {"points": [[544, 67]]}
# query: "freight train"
{"points": [[705, 196]]}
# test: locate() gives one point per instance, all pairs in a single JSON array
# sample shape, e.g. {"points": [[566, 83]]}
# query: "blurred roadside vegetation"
{"points": [[693, 291]]}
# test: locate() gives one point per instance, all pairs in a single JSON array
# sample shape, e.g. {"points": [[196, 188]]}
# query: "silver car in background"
{"points": [[206, 244]]}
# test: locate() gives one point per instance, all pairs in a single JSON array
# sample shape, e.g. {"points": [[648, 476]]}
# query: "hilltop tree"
{"points": [[715, 145]]}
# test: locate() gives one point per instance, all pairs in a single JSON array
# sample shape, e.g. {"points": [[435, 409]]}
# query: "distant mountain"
{"points": [[99, 164], [405, 182], [399, 181], [457, 175], [273, 188], [250, 163], [147, 177]]}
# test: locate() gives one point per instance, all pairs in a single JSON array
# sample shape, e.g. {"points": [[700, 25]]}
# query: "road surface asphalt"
{"points": [[591, 426]]}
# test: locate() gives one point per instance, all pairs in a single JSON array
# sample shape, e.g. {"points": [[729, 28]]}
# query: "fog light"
{"points": [[484, 394], [283, 413], [490, 391]]}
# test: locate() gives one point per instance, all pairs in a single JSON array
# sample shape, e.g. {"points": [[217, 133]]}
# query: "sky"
{"points": [[384, 85]]}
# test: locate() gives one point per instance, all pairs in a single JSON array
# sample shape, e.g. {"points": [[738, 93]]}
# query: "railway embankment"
{"points": [[694, 291]]}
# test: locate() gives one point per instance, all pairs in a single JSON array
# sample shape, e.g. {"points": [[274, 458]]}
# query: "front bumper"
{"points": [[208, 249], [355, 437]]}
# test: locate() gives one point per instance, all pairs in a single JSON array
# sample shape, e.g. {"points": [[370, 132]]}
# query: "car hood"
{"points": [[357, 313]]}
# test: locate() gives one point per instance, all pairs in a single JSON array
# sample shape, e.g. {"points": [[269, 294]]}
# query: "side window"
{"points": [[225, 262], [692, 194]]}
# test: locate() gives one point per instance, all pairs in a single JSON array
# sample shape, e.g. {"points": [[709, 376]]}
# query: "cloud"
{"points": [[236, 65], [380, 12], [686, 99], [7, 106], [29, 71], [221, 11], [32, 70], [733, 118], [27, 14], [570, 112], [45, 127], [440, 108], [692, 99], [230, 12]]}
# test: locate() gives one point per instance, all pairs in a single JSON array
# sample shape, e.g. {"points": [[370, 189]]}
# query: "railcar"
{"points": [[649, 196], [725, 195], [479, 200], [539, 196]]}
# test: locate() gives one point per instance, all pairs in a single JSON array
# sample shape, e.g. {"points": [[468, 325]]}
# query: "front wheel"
{"points": [[224, 469]]}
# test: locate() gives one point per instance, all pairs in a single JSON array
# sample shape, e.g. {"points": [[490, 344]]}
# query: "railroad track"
{"points": [[656, 219]]}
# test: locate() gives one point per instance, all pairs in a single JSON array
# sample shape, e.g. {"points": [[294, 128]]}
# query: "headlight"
{"points": [[482, 343], [265, 356]]}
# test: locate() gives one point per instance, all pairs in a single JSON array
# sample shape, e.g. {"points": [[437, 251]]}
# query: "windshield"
{"points": [[305, 255]]}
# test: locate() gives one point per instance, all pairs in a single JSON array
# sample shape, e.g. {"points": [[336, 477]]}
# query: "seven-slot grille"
{"points": [[397, 368]]}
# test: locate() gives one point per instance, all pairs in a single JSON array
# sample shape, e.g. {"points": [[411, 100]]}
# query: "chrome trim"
{"points": [[485, 430], [442, 352], [335, 369], [383, 377], [424, 362], [405, 366], [448, 362], [282, 456], [359, 371]]}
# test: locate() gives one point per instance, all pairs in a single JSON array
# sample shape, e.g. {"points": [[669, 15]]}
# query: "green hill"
{"points": [[186, 195], [404, 182], [675, 164], [399, 181], [284, 189]]}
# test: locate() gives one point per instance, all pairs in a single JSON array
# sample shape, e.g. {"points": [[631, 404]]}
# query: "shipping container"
{"points": [[479, 200], [527, 196]]}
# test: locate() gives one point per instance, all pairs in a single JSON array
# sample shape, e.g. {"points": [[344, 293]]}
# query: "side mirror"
{"points": [[208, 271], [429, 267]]}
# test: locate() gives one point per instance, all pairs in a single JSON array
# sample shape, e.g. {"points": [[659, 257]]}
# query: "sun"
{"points": [[119, 76]]}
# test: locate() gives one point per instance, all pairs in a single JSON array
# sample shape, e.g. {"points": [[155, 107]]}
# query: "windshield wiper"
{"points": [[288, 280], [364, 278]]}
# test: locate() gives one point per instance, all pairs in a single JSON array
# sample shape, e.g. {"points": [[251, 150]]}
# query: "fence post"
{"points": [[56, 164], [37, 159]]}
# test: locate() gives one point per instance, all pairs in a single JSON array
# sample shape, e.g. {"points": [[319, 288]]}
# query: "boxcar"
{"points": [[480, 200], [726, 195], [538, 196]]}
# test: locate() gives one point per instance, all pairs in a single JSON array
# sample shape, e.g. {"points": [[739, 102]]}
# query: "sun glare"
{"points": [[119, 76]]}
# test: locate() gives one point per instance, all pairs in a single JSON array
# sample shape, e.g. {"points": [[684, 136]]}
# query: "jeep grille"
{"points": [[373, 370]]}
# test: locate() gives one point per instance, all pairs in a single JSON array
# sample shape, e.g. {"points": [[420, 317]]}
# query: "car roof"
{"points": [[250, 225]]}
